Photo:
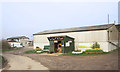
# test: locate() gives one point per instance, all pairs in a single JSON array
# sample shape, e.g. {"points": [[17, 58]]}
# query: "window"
{"points": [[51, 43]]}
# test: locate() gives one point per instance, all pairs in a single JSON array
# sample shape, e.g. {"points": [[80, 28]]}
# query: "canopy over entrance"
{"points": [[62, 44]]}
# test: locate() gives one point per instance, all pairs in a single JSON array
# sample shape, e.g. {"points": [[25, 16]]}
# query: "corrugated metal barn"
{"points": [[84, 37]]}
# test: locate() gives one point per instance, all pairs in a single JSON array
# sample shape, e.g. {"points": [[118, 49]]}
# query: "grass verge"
{"points": [[3, 62], [9, 49], [34, 52], [0, 60]]}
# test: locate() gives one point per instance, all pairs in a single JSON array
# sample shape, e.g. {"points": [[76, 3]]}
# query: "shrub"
{"points": [[95, 45], [38, 49], [95, 50], [45, 51], [3, 62], [77, 51], [4, 44]]}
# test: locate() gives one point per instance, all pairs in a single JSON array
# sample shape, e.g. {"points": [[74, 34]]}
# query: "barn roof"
{"points": [[77, 29], [118, 26], [19, 37]]}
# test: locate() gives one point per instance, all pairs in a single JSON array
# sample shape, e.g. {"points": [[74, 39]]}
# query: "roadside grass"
{"points": [[34, 52], [3, 62], [30, 51], [0, 60], [84, 54], [9, 49]]}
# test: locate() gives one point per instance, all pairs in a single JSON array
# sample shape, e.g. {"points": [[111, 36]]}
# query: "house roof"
{"points": [[77, 29], [12, 41], [19, 37]]}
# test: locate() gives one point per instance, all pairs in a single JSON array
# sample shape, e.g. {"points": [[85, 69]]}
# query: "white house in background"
{"points": [[106, 35], [15, 44], [21, 41]]}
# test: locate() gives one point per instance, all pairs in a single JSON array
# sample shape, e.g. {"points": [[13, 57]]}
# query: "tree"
{"points": [[4, 44], [95, 45]]}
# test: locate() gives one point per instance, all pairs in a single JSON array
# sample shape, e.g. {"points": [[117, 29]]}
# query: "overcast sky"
{"points": [[27, 18]]}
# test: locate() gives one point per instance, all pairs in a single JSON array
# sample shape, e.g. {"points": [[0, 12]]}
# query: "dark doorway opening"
{"points": [[56, 47], [59, 41]]}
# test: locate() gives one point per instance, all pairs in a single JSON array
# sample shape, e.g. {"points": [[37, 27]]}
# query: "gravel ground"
{"points": [[96, 62], [18, 62]]}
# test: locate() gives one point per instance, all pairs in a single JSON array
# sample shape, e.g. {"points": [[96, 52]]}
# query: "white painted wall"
{"points": [[113, 34], [15, 44], [24, 42], [100, 36], [111, 47], [103, 45], [113, 37], [80, 37]]}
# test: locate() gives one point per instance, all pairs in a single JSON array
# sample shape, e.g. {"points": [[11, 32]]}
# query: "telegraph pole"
{"points": [[108, 18]]}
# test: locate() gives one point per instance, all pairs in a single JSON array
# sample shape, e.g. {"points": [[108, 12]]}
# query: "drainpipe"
{"points": [[108, 35], [118, 37], [108, 38]]}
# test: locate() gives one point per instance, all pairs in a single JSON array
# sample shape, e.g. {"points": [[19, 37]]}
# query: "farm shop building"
{"points": [[82, 37]]}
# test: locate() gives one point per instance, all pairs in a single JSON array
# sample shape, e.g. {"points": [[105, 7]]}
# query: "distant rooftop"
{"points": [[77, 29], [19, 37]]}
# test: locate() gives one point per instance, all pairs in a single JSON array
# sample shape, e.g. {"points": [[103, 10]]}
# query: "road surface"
{"points": [[17, 62]]}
